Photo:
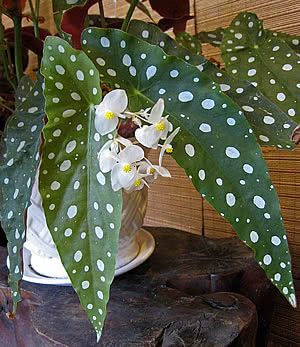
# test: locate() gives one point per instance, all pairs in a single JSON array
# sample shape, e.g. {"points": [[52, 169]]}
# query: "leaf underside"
{"points": [[259, 111], [215, 145], [19, 163], [82, 211], [253, 54]]}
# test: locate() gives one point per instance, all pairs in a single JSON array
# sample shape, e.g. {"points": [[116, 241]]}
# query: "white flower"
{"points": [[138, 182], [149, 135], [109, 111], [151, 172], [108, 155], [124, 171], [167, 147]]}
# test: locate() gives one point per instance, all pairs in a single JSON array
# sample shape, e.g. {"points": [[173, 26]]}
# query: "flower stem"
{"points": [[129, 15], [18, 46], [102, 16]]}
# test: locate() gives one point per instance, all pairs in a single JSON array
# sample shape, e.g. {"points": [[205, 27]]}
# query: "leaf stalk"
{"points": [[18, 46], [129, 15], [102, 16]]}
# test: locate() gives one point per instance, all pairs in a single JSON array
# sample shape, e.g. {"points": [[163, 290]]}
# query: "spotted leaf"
{"points": [[82, 211], [271, 125], [292, 40], [19, 162], [23, 90], [215, 146], [189, 42], [212, 37], [266, 61]]}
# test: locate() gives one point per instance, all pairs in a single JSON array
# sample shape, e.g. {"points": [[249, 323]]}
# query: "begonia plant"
{"points": [[159, 93]]}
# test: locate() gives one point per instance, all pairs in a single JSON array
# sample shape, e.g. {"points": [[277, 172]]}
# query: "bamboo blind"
{"points": [[175, 203]]}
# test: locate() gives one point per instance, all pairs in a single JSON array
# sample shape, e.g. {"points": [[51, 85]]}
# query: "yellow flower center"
{"points": [[152, 170], [160, 126], [126, 168], [109, 115], [169, 149], [137, 182]]}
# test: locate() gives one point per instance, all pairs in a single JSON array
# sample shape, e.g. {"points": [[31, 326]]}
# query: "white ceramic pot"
{"points": [[39, 242]]}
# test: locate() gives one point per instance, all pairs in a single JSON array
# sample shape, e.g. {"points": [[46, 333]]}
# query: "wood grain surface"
{"points": [[192, 291]]}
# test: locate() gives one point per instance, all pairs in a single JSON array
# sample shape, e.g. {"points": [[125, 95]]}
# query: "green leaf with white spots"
{"points": [[83, 213], [188, 41], [292, 40], [24, 88], [271, 125], [19, 162], [266, 61], [215, 145], [214, 37]]}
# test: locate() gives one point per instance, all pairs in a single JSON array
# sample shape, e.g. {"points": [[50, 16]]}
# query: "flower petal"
{"points": [[133, 187], [116, 101], [157, 111], [126, 178], [148, 136], [106, 147], [99, 109], [123, 141], [166, 143], [162, 171], [115, 178], [106, 161], [143, 168], [104, 125], [164, 133], [131, 154]]}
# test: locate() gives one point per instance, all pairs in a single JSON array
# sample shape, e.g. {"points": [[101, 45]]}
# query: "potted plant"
{"points": [[171, 98]]}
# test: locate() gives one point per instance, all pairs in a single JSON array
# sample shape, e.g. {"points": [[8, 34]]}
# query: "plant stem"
{"points": [[35, 17], [3, 55], [102, 16], [129, 14], [18, 46], [36, 24]]}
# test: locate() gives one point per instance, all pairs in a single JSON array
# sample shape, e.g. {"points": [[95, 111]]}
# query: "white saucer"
{"points": [[144, 238]]}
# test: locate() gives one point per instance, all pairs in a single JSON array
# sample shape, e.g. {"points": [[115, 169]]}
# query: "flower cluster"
{"points": [[125, 158]]}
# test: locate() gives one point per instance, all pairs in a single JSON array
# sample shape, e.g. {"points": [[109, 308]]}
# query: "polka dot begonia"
{"points": [[254, 104], [18, 165], [215, 146], [267, 60], [77, 200]]}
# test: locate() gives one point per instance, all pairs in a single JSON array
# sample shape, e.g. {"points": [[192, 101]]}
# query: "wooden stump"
{"points": [[176, 298]]}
